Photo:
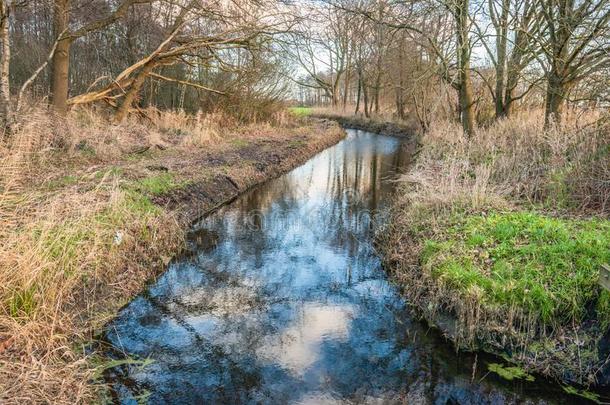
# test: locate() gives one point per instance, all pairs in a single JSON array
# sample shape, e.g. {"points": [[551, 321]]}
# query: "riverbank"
{"points": [[91, 212], [377, 125], [383, 127], [497, 241]]}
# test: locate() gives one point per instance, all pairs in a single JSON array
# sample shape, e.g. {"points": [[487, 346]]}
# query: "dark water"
{"points": [[281, 299]]}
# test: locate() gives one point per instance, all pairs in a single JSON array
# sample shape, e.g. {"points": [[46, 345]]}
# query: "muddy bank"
{"points": [[372, 125], [229, 174]]}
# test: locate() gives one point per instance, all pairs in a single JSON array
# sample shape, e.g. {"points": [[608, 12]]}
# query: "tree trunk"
{"points": [[500, 77], [556, 87], [501, 42], [335, 95], [377, 86], [365, 94], [132, 93], [400, 106], [61, 59], [358, 93], [376, 94], [346, 81], [465, 83], [467, 104], [400, 103], [556, 94], [5, 60], [511, 84]]}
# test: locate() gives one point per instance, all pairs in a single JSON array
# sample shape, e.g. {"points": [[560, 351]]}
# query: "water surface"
{"points": [[282, 299]]}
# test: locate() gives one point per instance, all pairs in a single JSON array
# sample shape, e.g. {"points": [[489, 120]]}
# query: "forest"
{"points": [[125, 122]]}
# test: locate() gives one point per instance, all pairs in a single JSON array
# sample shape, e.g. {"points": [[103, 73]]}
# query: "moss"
{"points": [[581, 393], [548, 267], [510, 373]]}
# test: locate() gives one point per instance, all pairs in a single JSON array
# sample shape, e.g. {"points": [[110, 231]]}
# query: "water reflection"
{"points": [[281, 299]]}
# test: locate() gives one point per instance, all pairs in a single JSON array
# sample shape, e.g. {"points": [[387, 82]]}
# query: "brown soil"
{"points": [[235, 170]]}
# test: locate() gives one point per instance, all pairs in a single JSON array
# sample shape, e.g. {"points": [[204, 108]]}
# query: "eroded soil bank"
{"points": [[92, 231]]}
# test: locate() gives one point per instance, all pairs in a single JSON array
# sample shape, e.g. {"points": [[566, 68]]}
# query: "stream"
{"points": [[280, 298]]}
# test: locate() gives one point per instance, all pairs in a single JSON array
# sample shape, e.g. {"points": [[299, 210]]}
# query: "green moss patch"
{"points": [[510, 373], [547, 267], [159, 184]]}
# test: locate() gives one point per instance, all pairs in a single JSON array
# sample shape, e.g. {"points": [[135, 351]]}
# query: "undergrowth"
{"points": [[301, 111]]}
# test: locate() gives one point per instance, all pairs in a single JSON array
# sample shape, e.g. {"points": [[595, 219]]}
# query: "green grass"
{"points": [[548, 267], [300, 111], [112, 171], [65, 243], [158, 185], [22, 303], [61, 182], [591, 396]]}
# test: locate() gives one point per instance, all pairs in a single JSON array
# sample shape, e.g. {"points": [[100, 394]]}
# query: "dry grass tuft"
{"points": [[62, 266], [517, 159], [77, 241], [197, 130]]}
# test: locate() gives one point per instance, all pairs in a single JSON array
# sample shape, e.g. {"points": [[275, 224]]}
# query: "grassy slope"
{"points": [[488, 250], [546, 267], [85, 232]]}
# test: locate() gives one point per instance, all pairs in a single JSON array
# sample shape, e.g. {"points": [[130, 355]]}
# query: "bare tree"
{"points": [[5, 59], [185, 43], [8, 108], [575, 46], [61, 59], [516, 23], [320, 46]]}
